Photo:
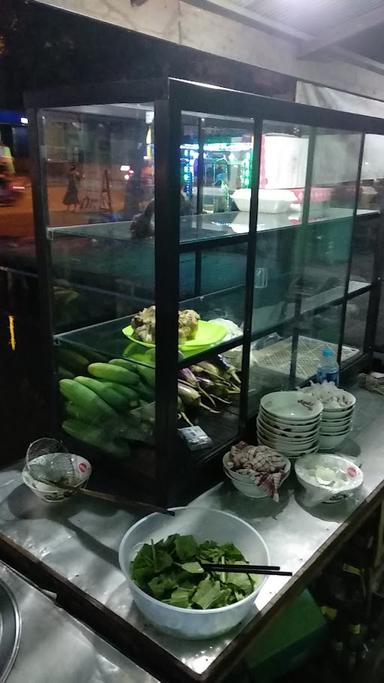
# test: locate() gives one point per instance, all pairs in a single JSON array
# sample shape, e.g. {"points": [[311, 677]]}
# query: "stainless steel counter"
{"points": [[79, 539], [56, 648]]}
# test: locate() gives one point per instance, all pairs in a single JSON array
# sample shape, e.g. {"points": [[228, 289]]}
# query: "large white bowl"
{"points": [[288, 406], [319, 491], [204, 524]]}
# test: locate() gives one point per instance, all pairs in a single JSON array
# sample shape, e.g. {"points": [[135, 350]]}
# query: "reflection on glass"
{"points": [[215, 179], [371, 196], [364, 245], [283, 170], [270, 361], [99, 165], [327, 250], [275, 278], [334, 174], [301, 271], [215, 175], [215, 279], [356, 321]]}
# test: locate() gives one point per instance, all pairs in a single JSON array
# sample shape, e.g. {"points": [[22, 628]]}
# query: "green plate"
{"points": [[208, 334]]}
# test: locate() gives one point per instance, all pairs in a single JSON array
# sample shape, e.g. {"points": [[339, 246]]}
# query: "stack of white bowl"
{"points": [[336, 423], [289, 422]]}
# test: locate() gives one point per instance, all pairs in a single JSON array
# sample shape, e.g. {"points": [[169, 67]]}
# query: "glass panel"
{"points": [[371, 203], [316, 330], [334, 175], [270, 362], [327, 243], [372, 175], [364, 245], [99, 169], [379, 340], [215, 170], [356, 322], [216, 161], [301, 270], [283, 168]]}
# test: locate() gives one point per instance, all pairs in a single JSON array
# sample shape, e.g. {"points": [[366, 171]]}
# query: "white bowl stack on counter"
{"points": [[337, 415], [289, 422]]}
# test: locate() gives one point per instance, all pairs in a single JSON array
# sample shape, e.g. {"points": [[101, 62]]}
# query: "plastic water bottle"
{"points": [[328, 367]]}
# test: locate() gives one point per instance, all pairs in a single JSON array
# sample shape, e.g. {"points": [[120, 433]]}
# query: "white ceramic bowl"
{"points": [[351, 404], [350, 399], [245, 485], [286, 440], [288, 427], [288, 405], [50, 493], [292, 454], [288, 447], [204, 524], [288, 434], [330, 428], [332, 440], [338, 414], [324, 493]]}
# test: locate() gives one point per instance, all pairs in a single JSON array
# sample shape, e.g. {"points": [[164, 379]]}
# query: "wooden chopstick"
{"points": [[244, 569]]}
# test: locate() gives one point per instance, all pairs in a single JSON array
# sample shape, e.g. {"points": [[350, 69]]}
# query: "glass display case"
{"points": [[197, 248]]}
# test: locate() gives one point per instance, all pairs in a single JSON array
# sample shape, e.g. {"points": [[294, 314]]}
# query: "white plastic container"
{"points": [[204, 524]]}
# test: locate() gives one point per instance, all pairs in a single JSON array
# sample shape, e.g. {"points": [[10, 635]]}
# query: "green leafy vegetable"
{"points": [[208, 591], [170, 570], [186, 548]]}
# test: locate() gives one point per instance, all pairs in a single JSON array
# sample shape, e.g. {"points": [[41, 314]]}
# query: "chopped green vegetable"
{"points": [[186, 548], [170, 570], [180, 597], [208, 592], [192, 568]]}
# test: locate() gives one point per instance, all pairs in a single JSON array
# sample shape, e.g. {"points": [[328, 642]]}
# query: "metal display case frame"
{"points": [[171, 97]]}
